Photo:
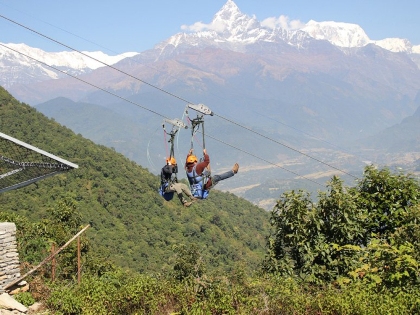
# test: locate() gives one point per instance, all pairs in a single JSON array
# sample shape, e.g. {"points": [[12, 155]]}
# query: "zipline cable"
{"points": [[216, 95], [154, 112], [285, 145], [149, 159], [169, 93], [93, 58], [91, 84], [251, 154], [59, 28], [309, 135]]}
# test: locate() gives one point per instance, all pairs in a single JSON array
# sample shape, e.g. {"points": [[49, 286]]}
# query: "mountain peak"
{"points": [[228, 11], [231, 21]]}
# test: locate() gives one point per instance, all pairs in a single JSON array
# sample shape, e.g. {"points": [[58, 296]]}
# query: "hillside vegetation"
{"points": [[356, 250], [131, 224]]}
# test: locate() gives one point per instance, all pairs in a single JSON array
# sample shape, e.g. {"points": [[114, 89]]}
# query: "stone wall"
{"points": [[9, 257]]}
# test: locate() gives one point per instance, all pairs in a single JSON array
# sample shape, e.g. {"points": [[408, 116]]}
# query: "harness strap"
{"points": [[204, 177]]}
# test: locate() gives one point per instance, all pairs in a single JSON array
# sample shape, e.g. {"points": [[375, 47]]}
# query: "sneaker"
{"points": [[187, 204], [235, 168]]}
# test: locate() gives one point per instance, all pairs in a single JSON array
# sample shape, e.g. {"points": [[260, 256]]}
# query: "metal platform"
{"points": [[22, 164]]}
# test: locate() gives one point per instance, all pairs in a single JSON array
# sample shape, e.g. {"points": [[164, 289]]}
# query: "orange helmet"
{"points": [[171, 161], [191, 159]]}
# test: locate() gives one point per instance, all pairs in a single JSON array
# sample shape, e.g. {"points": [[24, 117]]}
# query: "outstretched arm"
{"points": [[202, 165]]}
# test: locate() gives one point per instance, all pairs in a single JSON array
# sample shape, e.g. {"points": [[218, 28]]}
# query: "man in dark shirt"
{"points": [[170, 183]]}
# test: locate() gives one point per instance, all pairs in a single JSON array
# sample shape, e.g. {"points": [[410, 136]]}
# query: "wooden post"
{"points": [[78, 260], [53, 263]]}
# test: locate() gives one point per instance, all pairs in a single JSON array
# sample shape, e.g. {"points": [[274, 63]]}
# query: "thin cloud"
{"points": [[283, 22], [271, 22], [217, 26]]}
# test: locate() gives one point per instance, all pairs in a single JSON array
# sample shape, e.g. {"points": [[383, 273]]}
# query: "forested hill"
{"points": [[131, 223]]}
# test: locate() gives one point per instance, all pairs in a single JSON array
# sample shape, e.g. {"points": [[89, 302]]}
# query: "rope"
{"points": [[86, 55], [166, 142]]}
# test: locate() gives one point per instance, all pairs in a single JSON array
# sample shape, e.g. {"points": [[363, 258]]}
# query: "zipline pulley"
{"points": [[198, 121], [176, 125]]}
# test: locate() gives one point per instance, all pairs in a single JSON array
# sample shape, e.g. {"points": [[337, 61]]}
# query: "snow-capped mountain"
{"points": [[20, 63], [230, 29], [235, 30]]}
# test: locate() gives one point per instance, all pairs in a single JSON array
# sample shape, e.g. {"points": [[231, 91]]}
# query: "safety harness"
{"points": [[165, 183], [198, 182]]}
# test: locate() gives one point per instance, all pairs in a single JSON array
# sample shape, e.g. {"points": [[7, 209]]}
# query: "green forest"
{"points": [[355, 250], [131, 224]]}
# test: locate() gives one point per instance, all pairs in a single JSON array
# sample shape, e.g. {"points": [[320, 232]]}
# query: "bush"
{"points": [[25, 298]]}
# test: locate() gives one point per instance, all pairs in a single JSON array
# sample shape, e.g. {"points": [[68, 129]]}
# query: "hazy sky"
{"points": [[121, 26]]}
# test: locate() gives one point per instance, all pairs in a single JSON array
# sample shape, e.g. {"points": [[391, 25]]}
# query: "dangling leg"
{"points": [[184, 201], [178, 188], [187, 191], [217, 178]]}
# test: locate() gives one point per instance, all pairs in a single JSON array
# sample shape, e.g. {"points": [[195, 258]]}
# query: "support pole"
{"points": [[78, 260], [53, 263]]}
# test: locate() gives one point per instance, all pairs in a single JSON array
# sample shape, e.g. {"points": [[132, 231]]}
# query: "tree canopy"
{"points": [[368, 231]]}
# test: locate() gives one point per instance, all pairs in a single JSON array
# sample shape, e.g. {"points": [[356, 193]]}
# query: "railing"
{"points": [[51, 257]]}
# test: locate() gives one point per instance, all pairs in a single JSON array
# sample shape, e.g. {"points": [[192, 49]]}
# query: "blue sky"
{"points": [[120, 26]]}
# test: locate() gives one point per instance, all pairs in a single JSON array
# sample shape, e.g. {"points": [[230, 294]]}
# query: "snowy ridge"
{"points": [[352, 35], [338, 34], [68, 59], [395, 44], [21, 64]]}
